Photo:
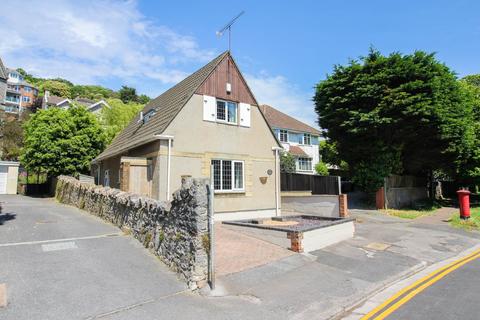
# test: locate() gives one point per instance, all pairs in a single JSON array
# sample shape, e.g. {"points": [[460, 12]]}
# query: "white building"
{"points": [[297, 138]]}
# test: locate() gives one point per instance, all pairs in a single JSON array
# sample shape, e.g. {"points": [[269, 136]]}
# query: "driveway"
{"points": [[58, 262]]}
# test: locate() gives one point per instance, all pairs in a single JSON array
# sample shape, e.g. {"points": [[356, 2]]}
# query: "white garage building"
{"points": [[8, 177]]}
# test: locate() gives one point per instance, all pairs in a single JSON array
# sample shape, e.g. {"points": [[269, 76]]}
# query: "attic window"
{"points": [[147, 116]]}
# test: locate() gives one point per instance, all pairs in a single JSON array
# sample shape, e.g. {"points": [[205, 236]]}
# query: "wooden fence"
{"points": [[305, 182]]}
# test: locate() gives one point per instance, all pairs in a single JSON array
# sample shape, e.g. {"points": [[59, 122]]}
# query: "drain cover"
{"points": [[378, 246]]}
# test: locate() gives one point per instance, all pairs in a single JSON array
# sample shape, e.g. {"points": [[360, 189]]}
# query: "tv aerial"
{"points": [[228, 27]]}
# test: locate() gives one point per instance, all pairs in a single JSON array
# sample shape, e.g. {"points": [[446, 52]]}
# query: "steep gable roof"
{"points": [[3, 71], [167, 106], [278, 119]]}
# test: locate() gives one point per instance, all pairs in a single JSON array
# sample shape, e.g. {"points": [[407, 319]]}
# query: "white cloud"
{"points": [[279, 93], [90, 41]]}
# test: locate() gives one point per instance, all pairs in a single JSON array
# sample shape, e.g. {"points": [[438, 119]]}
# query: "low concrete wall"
{"points": [[320, 205], [175, 231]]}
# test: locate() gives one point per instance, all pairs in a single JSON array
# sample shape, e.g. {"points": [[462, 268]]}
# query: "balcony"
{"points": [[12, 99], [10, 109]]}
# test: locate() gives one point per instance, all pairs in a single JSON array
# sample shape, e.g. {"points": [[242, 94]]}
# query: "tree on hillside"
{"points": [[118, 116], [61, 141], [57, 88], [128, 94], [396, 114]]}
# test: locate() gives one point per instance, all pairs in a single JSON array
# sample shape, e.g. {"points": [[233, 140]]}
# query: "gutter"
{"points": [[277, 180], [169, 139]]}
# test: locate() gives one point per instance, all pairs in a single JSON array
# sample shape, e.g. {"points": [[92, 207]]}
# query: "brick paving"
{"points": [[237, 252]]}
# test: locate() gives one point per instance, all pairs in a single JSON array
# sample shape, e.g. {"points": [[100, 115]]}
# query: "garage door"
{"points": [[3, 179]]}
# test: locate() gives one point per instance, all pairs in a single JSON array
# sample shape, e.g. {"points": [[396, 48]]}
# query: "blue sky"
{"points": [[283, 47]]}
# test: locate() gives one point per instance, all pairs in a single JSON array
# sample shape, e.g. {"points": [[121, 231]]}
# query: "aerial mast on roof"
{"points": [[228, 27]]}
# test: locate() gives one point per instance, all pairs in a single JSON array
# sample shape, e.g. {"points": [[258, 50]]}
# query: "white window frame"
{"points": [[226, 102], [280, 135], [306, 158], [233, 189], [25, 99], [305, 137]]}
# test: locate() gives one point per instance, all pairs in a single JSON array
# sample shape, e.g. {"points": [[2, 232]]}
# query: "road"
{"points": [[450, 292]]}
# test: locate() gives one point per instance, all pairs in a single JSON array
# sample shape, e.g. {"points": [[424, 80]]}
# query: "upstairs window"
{"points": [[283, 135], [28, 89], [307, 139], [228, 175], [227, 111], [26, 99]]}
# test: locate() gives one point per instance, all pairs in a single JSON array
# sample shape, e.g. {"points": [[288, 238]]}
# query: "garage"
{"points": [[8, 177]]}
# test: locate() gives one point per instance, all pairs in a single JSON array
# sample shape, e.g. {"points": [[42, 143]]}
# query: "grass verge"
{"points": [[408, 214], [422, 209], [471, 224]]}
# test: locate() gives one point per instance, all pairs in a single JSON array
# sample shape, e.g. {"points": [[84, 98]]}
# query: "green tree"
{"points": [[395, 114], [321, 169], [143, 99], [61, 141], [287, 162], [57, 88], [118, 116], [11, 134], [128, 94]]}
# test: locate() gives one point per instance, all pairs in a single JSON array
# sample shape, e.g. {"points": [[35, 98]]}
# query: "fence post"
{"points": [[339, 182]]}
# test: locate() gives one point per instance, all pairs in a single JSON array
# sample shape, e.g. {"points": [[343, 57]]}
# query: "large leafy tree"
{"points": [[396, 114], [118, 116], [61, 141], [11, 136]]}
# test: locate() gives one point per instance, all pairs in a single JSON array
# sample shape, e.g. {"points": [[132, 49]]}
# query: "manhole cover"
{"points": [[378, 246]]}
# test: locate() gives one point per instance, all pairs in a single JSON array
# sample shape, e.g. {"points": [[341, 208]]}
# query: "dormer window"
{"points": [[227, 111], [147, 116]]}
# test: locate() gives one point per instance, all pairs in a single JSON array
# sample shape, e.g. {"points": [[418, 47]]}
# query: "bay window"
{"points": [[228, 175], [304, 164]]}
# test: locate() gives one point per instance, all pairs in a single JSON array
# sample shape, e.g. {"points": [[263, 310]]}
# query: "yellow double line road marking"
{"points": [[406, 294]]}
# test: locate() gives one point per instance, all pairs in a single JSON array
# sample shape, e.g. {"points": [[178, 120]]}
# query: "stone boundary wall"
{"points": [[175, 231]]}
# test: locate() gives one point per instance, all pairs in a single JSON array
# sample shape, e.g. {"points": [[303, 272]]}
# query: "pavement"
{"points": [[59, 262]]}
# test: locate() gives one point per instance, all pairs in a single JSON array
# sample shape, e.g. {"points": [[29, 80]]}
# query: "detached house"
{"points": [[52, 101], [297, 138], [209, 120]]}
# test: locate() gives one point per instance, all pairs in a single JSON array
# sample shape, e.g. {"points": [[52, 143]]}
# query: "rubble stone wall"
{"points": [[175, 231]]}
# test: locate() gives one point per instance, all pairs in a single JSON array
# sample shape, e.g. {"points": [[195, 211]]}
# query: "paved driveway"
{"points": [[58, 262]]}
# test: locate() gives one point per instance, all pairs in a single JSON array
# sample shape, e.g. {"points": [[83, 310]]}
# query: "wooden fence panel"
{"points": [[315, 184]]}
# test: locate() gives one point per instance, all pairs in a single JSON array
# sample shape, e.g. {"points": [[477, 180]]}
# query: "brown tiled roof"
{"points": [[3, 71], [297, 151], [167, 105], [278, 119]]}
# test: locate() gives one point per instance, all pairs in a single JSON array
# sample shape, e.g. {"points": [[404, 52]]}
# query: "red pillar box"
{"points": [[464, 203]]}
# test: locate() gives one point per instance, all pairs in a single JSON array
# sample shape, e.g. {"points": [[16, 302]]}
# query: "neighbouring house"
{"points": [[208, 121], [21, 95], [298, 138], [93, 106], [3, 83]]}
